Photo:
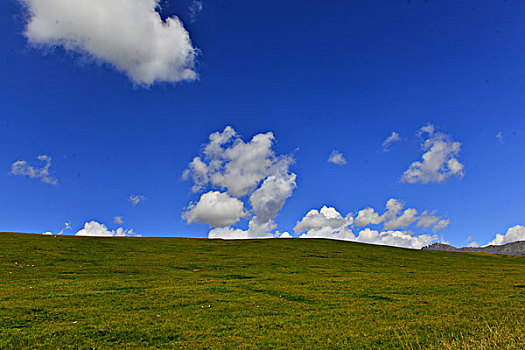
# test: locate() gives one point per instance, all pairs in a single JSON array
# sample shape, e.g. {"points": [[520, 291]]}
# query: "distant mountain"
{"points": [[514, 248]]}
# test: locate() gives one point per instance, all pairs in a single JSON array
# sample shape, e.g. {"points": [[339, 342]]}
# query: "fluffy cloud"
{"points": [[404, 220], [516, 233], [329, 223], [439, 161], [395, 238], [389, 141], [118, 220], [248, 172], [336, 157], [21, 167], [283, 235], [427, 220], [325, 223], [129, 35], [96, 229], [367, 217], [136, 199], [230, 163], [215, 209]]}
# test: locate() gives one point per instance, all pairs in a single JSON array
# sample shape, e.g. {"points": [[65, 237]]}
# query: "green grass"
{"points": [[76, 292]]}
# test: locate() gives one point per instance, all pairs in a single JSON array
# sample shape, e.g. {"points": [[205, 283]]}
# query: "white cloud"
{"points": [[426, 220], [329, 223], [469, 238], [198, 170], [473, 244], [367, 217], [136, 199], [118, 220], [336, 157], [235, 233], [516, 233], [406, 219], [129, 35], [270, 197], [439, 161], [195, 8], [325, 223], [47, 233], [283, 235], [248, 171], [441, 224], [96, 229], [389, 141], [499, 137], [395, 238], [21, 167], [215, 209], [230, 163]]}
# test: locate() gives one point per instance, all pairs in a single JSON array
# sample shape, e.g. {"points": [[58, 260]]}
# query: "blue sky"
{"points": [[321, 77]]}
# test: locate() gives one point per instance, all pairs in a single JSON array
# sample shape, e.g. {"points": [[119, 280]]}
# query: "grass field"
{"points": [[106, 293]]}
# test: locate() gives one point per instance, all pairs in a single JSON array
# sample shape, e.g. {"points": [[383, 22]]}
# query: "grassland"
{"points": [[107, 293]]}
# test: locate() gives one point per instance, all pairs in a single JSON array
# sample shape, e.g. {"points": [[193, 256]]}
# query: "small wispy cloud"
{"points": [[195, 8], [499, 137], [21, 167], [337, 157], [118, 220], [136, 199], [385, 146]]}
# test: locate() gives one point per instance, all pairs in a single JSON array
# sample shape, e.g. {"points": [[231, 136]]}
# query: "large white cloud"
{"points": [[249, 173], [127, 34], [270, 197], [215, 209], [514, 234], [21, 167], [96, 229], [232, 164], [439, 161]]}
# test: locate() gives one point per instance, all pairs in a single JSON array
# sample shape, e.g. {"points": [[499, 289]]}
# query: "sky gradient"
{"points": [[320, 77]]}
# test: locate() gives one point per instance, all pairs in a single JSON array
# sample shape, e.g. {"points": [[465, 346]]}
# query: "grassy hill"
{"points": [[78, 292]]}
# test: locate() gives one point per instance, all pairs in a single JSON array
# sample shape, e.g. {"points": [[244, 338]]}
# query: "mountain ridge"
{"points": [[512, 248]]}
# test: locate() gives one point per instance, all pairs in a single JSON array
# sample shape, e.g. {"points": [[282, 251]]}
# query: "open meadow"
{"points": [[107, 293]]}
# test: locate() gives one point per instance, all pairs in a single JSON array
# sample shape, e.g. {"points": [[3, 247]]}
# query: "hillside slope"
{"points": [[106, 293]]}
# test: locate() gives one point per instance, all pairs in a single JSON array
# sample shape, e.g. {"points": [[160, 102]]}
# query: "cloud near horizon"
{"points": [[96, 229], [242, 179], [128, 35], [329, 223], [514, 234]]}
